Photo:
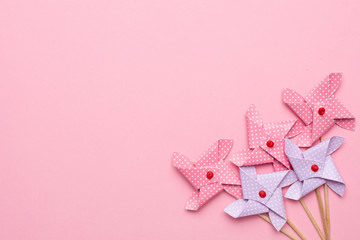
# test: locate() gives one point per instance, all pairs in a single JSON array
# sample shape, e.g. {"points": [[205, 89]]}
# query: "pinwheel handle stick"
{"points": [[325, 215], [322, 212], [292, 225], [289, 235], [312, 219], [327, 211]]}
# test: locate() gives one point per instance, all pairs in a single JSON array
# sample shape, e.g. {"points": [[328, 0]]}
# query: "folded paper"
{"points": [[209, 174], [262, 194], [314, 167], [266, 141], [319, 110]]}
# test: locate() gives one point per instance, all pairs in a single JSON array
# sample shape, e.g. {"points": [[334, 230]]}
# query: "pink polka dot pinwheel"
{"points": [[319, 110], [209, 174], [266, 141]]}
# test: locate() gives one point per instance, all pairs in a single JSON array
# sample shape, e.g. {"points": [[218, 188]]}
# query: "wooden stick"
{"points": [[289, 235], [322, 212], [327, 218], [292, 225], [312, 219], [327, 209]]}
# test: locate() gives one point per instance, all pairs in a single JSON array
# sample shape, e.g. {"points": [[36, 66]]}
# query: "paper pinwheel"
{"points": [[319, 110], [209, 174], [262, 193], [266, 141], [314, 167]]}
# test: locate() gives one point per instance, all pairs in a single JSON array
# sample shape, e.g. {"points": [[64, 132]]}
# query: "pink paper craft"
{"points": [[319, 110], [209, 174], [262, 193], [314, 167], [266, 141]]}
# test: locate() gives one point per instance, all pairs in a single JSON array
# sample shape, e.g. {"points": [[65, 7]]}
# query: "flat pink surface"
{"points": [[96, 95]]}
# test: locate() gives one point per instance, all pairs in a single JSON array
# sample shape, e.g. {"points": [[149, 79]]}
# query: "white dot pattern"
{"points": [[258, 135], [302, 163], [322, 96], [297, 129], [253, 204], [298, 104], [248, 157], [212, 160], [243, 208]]}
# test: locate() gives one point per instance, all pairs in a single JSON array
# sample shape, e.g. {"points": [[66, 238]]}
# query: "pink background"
{"points": [[96, 95]]}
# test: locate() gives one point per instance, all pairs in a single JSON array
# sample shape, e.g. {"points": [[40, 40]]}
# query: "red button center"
{"points": [[314, 168], [209, 175], [321, 111], [270, 144], [262, 194]]}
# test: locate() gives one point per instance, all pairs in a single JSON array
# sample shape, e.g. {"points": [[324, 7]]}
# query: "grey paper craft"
{"points": [[316, 158], [255, 202]]}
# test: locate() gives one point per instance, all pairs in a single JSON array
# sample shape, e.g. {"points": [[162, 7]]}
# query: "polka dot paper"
{"points": [[314, 167], [209, 174], [262, 194], [266, 141], [319, 110]]}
